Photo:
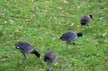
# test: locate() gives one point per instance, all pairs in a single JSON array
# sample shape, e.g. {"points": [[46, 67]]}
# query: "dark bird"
{"points": [[49, 57], [68, 37], [26, 48], [85, 20]]}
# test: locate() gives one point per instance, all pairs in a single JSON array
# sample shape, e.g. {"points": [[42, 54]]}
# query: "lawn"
{"points": [[41, 23]]}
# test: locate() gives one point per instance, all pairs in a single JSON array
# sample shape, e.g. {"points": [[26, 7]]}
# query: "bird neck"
{"points": [[36, 53]]}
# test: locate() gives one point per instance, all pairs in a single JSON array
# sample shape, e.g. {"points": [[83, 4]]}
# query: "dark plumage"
{"points": [[26, 48], [49, 57], [70, 36], [85, 20]]}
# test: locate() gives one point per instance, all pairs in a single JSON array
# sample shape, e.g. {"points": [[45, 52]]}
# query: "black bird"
{"points": [[26, 48], [85, 20], [68, 37], [49, 57]]}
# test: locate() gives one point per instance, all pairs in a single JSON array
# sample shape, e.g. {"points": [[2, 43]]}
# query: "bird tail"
{"points": [[36, 53]]}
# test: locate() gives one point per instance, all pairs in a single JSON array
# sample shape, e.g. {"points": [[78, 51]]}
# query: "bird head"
{"points": [[79, 34], [91, 16]]}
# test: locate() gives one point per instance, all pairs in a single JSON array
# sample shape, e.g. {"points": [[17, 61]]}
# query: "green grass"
{"points": [[41, 22]]}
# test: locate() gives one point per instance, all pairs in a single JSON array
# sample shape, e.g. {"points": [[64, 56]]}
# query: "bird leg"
{"points": [[49, 67], [25, 56], [67, 44], [23, 60], [87, 26]]}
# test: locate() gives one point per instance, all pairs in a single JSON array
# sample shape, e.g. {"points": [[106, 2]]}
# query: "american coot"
{"points": [[26, 48], [49, 57], [68, 37], [85, 20]]}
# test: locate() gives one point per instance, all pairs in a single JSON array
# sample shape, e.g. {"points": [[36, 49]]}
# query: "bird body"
{"points": [[85, 19], [50, 56], [26, 48], [68, 37]]}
